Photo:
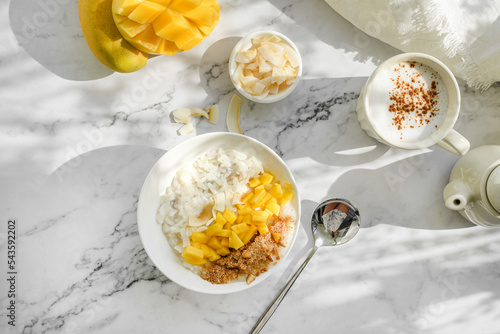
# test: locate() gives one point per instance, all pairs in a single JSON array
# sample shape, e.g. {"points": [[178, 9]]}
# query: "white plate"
{"points": [[160, 176]]}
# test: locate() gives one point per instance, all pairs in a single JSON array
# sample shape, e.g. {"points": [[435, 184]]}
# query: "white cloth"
{"points": [[464, 34]]}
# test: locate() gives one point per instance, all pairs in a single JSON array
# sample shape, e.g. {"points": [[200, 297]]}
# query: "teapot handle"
{"points": [[457, 194]]}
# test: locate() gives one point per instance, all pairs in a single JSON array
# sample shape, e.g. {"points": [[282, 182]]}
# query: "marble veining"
{"points": [[77, 143]]}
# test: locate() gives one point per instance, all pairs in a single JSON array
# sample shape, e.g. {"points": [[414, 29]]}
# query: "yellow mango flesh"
{"points": [[166, 26], [236, 229], [105, 40]]}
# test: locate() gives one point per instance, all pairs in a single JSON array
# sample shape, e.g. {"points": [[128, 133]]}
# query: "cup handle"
{"points": [[455, 143]]}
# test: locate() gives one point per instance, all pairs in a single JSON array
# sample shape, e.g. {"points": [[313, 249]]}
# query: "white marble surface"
{"points": [[74, 155]]}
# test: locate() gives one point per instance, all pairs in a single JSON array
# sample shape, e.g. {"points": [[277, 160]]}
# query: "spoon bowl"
{"points": [[334, 222]]}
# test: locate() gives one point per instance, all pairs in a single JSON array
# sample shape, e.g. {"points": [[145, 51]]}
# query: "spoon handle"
{"points": [[270, 310]]}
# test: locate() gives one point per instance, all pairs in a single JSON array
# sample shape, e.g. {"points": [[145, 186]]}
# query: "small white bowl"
{"points": [[154, 241], [244, 44]]}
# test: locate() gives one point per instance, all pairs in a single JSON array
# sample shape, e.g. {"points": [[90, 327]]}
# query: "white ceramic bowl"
{"points": [[160, 176], [244, 44]]}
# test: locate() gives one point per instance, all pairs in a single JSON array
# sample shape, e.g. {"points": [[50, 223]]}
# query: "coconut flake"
{"points": [[233, 114], [185, 129]]}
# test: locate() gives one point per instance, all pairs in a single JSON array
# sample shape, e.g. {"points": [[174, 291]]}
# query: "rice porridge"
{"points": [[225, 207]]}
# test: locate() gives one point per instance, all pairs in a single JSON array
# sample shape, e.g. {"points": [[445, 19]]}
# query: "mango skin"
{"points": [[104, 39]]}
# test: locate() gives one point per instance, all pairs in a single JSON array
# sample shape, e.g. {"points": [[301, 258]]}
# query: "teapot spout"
{"points": [[457, 194]]}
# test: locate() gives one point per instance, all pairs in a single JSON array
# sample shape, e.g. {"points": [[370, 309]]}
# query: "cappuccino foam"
{"points": [[408, 102]]}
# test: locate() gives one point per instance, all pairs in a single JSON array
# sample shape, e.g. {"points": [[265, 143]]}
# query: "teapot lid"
{"points": [[493, 188]]}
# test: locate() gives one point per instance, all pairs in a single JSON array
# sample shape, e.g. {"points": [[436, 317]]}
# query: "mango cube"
{"points": [[249, 234], [200, 237], [276, 191], [178, 25], [235, 242], [193, 253], [273, 207], [240, 228], [246, 197], [266, 178], [220, 219], [223, 233], [146, 12], [224, 242], [287, 197], [212, 229], [260, 217], [229, 216], [276, 236], [263, 229], [223, 251], [214, 243], [207, 251], [254, 182]]}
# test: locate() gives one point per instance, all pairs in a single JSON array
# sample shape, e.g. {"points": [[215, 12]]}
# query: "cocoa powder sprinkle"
{"points": [[412, 99]]}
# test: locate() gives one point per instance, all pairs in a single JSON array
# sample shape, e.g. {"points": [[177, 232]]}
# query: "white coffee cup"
{"points": [[384, 112]]}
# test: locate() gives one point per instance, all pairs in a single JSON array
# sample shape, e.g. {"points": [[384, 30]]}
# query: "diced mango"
{"points": [[179, 25], [264, 200], [125, 7], [235, 241], [276, 191], [214, 243], [184, 6], [189, 39], [195, 244], [167, 48], [170, 25], [223, 233], [196, 262], [212, 229], [276, 236], [227, 226], [246, 197], [193, 253], [254, 182], [214, 256], [146, 12], [245, 211], [146, 40], [200, 237], [247, 219], [207, 251], [223, 251], [249, 234], [273, 207], [240, 228], [259, 189], [266, 178], [220, 219], [229, 216], [288, 186], [287, 197], [224, 242], [131, 28], [239, 219], [257, 197], [263, 229], [260, 217]]}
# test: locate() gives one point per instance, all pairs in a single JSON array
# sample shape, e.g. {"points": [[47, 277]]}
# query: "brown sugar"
{"points": [[252, 259]]}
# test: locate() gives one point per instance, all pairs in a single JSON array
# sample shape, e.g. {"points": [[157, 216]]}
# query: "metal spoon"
{"points": [[334, 222]]}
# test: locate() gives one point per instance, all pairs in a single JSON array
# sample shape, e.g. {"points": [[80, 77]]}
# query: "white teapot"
{"points": [[474, 188]]}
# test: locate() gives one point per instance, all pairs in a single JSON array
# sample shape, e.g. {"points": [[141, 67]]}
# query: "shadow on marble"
{"points": [[318, 120], [415, 285], [327, 23], [50, 33], [214, 74], [406, 193]]}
